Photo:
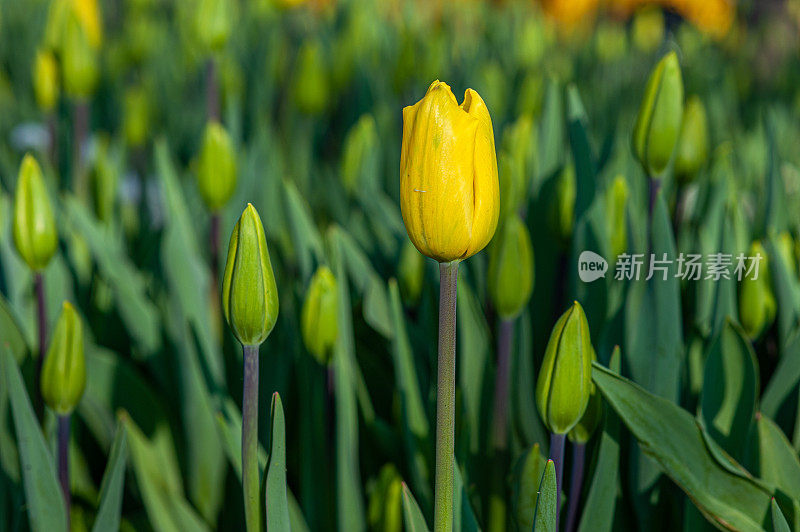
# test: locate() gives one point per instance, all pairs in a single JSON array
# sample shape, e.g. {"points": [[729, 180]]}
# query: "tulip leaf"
{"points": [[463, 516], [530, 473], [159, 482], [46, 508], [551, 134], [277, 503], [673, 439], [544, 519], [730, 389], [778, 461], [350, 505], [305, 237], [127, 283], [774, 216], [582, 154], [525, 417], [412, 515], [11, 332], [598, 510], [779, 523], [111, 490], [787, 292], [784, 379]]}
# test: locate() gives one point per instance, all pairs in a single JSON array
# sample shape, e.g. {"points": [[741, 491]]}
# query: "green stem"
{"points": [[557, 456], [446, 398], [250, 481], [41, 318], [63, 461]]}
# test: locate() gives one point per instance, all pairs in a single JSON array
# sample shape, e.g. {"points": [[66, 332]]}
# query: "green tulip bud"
{"points": [[63, 376], [214, 20], [45, 80], [692, 150], [757, 306], [78, 60], [411, 272], [785, 248], [385, 509], [319, 320], [136, 116], [611, 41], [658, 124], [616, 219], [583, 430], [648, 28], [311, 83], [515, 165], [511, 268], [216, 167], [35, 233], [360, 162], [565, 382], [249, 294], [562, 211], [105, 177]]}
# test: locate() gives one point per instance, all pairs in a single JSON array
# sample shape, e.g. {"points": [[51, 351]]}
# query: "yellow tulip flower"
{"points": [[449, 191]]}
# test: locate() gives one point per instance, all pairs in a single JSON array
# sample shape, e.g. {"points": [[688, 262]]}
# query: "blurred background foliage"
{"points": [[113, 98]]}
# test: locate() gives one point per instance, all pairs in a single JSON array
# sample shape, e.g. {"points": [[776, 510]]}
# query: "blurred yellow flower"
{"points": [[45, 79], [88, 13], [449, 192]]}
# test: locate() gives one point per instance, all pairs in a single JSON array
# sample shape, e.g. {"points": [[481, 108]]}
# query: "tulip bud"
{"points": [[449, 191], [216, 167], [785, 247], [214, 20], [249, 294], [88, 14], [648, 28], [104, 182], [78, 60], [562, 211], [511, 268], [565, 383], [583, 430], [516, 165], [311, 83], [63, 376], [757, 306], [616, 219], [137, 116], [692, 147], [385, 508], [35, 233], [658, 123], [611, 41], [411, 272], [319, 316], [360, 162], [45, 80]]}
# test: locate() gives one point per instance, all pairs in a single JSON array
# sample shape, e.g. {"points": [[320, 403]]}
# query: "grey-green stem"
{"points": [[445, 399], [250, 477]]}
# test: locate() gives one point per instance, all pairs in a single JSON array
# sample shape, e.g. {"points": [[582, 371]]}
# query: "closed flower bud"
{"points": [[562, 211], [692, 150], [136, 117], [105, 178], [319, 316], [63, 376], [361, 158], [583, 430], [88, 14], [658, 124], [411, 273], [35, 233], [565, 383], [45, 80], [311, 80], [249, 293], [616, 216], [648, 28], [449, 191], [216, 167], [511, 268], [786, 250], [78, 60], [214, 21], [516, 166], [757, 304]]}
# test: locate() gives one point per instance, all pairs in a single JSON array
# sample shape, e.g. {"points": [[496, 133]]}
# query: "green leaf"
{"points": [[544, 519], [530, 474], [598, 511], [159, 481], [779, 523], [472, 359], [127, 283], [112, 488], [11, 333], [525, 417], [46, 508], [306, 238], [787, 292], [730, 389], [412, 515], [670, 435], [582, 154], [784, 379], [778, 462], [463, 516], [551, 134], [277, 504]]}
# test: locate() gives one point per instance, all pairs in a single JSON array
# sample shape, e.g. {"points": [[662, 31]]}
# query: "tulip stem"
{"points": [[212, 91], [80, 128], [445, 399], [575, 484], [41, 317], [557, 456], [63, 460], [250, 480]]}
